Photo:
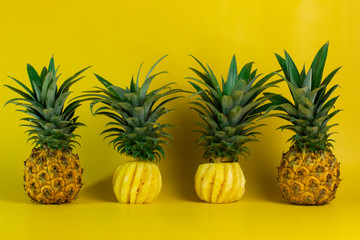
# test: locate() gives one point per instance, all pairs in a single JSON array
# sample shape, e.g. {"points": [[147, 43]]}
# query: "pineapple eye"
{"points": [[58, 183], [313, 183], [41, 160], [43, 176], [69, 191], [295, 161], [54, 169], [282, 164], [308, 198], [63, 160], [319, 169], [51, 153], [59, 199], [47, 192], [297, 187], [310, 160], [34, 155], [301, 172], [321, 193], [328, 178], [288, 173], [285, 190]]}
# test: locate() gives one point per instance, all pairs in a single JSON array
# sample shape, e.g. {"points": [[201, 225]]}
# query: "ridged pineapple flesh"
{"points": [[137, 182], [220, 182]]}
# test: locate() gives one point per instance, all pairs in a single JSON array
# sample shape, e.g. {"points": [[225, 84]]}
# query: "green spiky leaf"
{"points": [[52, 123], [135, 111]]}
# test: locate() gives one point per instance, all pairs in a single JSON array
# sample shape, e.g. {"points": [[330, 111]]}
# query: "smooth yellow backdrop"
{"points": [[115, 37]]}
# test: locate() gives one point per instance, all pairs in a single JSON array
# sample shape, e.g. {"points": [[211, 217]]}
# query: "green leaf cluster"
{"points": [[229, 112], [311, 107], [134, 112], [51, 123]]}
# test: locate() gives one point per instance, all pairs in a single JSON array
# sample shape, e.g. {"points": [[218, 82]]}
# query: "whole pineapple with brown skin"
{"points": [[309, 173], [52, 173], [309, 177], [52, 176]]}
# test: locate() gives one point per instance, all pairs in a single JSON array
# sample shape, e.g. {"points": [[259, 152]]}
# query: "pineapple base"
{"points": [[308, 178], [52, 176], [220, 182], [137, 182]]}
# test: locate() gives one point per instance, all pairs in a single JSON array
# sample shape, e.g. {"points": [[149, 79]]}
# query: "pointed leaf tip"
{"points": [[152, 68], [232, 77]]}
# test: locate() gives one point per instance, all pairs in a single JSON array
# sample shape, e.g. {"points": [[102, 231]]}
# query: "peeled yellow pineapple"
{"points": [[137, 182], [220, 182]]}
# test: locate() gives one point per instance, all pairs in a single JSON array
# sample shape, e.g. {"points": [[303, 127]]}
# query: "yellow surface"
{"points": [[115, 37]]}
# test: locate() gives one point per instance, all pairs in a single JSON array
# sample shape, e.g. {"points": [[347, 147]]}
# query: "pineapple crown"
{"points": [[51, 124], [229, 113], [310, 109], [134, 112]]}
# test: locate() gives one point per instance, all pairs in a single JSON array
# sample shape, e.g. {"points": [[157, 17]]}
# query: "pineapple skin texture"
{"points": [[220, 182], [137, 182], [308, 178], [52, 176]]}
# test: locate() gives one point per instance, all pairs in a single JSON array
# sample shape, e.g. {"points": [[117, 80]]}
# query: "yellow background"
{"points": [[115, 37]]}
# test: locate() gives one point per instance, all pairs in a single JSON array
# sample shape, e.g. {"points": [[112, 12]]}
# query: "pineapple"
{"points": [[52, 172], [134, 130], [228, 115], [309, 173]]}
